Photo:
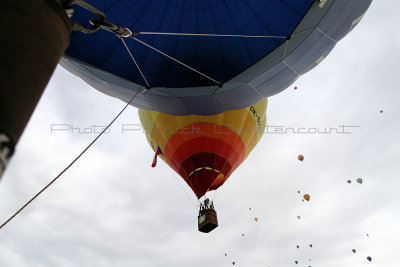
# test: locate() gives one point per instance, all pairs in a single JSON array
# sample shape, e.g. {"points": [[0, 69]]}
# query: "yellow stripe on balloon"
{"points": [[248, 125]]}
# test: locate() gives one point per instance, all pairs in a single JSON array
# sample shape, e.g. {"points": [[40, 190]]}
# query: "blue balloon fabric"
{"points": [[292, 38]]}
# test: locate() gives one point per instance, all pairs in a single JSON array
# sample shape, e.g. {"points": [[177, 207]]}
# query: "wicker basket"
{"points": [[207, 220]]}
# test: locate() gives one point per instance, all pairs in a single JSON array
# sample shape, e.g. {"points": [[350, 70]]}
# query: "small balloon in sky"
{"points": [[354, 251], [256, 219], [381, 111], [233, 263], [295, 88], [359, 180], [349, 181], [296, 262], [298, 217], [306, 197], [310, 245], [249, 208], [300, 157], [225, 254], [242, 234], [297, 246], [367, 234], [298, 191], [369, 258]]}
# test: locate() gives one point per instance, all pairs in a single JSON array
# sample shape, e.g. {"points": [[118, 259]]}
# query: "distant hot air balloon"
{"points": [[205, 150], [225, 254], [249, 208], [359, 180], [298, 192], [298, 217], [242, 234], [354, 251], [256, 219], [349, 181], [367, 234], [233, 263], [369, 258], [306, 197], [381, 111], [297, 246], [300, 157], [295, 88], [310, 245], [296, 262]]}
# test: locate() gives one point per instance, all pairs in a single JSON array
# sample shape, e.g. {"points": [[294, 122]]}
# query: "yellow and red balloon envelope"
{"points": [[205, 150]]}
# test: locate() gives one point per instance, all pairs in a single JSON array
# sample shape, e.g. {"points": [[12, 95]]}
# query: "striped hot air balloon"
{"points": [[205, 150]]}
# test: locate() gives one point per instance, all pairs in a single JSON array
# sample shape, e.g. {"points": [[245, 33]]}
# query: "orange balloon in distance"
{"points": [[205, 150], [300, 157], [306, 197], [256, 219]]}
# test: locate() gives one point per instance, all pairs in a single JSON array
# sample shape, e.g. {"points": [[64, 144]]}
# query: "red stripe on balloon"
{"points": [[204, 129]]}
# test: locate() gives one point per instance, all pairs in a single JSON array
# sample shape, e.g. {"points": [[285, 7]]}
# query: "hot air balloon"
{"points": [[381, 111], [256, 219], [298, 192], [300, 157], [297, 246], [184, 52], [295, 88], [298, 217], [354, 251], [205, 150], [310, 245], [359, 180], [349, 181], [233, 263], [296, 262], [369, 258], [306, 197]]}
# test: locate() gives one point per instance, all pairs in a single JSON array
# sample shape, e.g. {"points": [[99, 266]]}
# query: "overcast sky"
{"points": [[112, 209]]}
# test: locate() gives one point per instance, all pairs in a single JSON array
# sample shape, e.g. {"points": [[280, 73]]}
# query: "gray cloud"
{"points": [[113, 209]]}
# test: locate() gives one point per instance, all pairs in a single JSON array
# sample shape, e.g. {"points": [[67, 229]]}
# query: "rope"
{"points": [[176, 179], [215, 35], [62, 172], [137, 66], [174, 59]]}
